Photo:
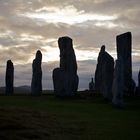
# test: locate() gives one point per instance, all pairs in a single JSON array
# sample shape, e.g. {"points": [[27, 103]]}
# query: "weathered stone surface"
{"points": [[65, 78], [139, 79], [118, 84], [91, 85], [124, 42], [9, 80], [36, 84], [104, 73]]}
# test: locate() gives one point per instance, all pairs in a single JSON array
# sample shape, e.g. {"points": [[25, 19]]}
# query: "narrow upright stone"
{"points": [[36, 84], [91, 85], [118, 84], [139, 83], [124, 43], [139, 79], [9, 79], [104, 74], [65, 78]]}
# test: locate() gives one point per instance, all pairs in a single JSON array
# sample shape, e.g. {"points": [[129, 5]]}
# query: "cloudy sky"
{"points": [[29, 25]]}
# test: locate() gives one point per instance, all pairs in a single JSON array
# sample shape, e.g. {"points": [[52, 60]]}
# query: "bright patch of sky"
{"points": [[52, 54], [68, 15]]}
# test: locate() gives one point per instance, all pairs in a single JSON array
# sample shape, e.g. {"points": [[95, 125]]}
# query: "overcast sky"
{"points": [[29, 25]]}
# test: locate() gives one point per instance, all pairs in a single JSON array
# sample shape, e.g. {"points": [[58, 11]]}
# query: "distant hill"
{"points": [[18, 90], [24, 90]]}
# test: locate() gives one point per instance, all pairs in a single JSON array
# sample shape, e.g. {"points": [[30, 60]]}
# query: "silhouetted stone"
{"points": [[65, 78], [118, 84], [104, 73], [124, 42], [9, 78], [139, 79], [36, 85], [138, 89], [132, 89], [91, 85]]}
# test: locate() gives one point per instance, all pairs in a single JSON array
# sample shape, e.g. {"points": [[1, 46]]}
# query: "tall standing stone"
{"points": [[104, 73], [36, 84], [124, 43], [118, 84], [9, 79], [65, 78], [139, 79], [138, 84]]}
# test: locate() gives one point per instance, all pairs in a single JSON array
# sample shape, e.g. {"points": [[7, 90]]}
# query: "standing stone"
{"points": [[139, 79], [124, 42], [9, 78], [91, 85], [118, 84], [138, 89], [36, 84], [65, 78], [104, 74]]}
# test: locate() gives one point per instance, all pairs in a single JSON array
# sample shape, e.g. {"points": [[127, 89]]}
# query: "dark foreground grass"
{"points": [[46, 117]]}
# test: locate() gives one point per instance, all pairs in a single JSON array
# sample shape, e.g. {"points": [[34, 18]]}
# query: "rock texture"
{"points": [[118, 84], [9, 80], [91, 85], [36, 84], [104, 73], [124, 43], [65, 78], [139, 79]]}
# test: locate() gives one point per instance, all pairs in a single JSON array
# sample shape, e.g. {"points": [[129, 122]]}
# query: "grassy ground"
{"points": [[46, 117]]}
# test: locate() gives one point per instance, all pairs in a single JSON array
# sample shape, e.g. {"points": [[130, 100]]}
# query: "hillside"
{"points": [[47, 117]]}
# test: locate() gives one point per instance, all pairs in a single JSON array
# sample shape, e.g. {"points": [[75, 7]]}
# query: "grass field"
{"points": [[50, 118]]}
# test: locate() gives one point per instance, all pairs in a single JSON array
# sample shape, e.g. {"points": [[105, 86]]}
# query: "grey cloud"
{"points": [[86, 35], [18, 54], [49, 30]]}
